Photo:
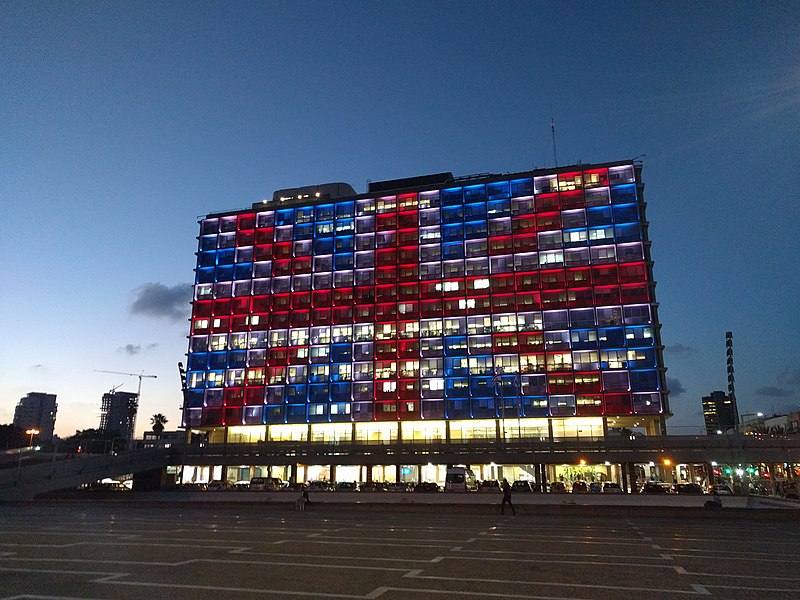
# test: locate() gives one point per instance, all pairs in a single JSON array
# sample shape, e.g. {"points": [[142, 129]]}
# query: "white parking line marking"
{"points": [[593, 586], [701, 589], [41, 597]]}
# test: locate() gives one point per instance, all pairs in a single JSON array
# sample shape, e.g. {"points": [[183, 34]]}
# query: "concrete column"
{"points": [[333, 473]]}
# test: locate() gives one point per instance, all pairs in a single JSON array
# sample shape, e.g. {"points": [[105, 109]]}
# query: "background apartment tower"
{"points": [[118, 413], [37, 410], [719, 413]]}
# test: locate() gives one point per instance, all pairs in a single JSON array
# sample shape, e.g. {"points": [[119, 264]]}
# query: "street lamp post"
{"points": [[31, 432]]}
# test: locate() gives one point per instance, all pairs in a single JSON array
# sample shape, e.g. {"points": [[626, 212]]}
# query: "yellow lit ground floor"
{"points": [[542, 429], [552, 477]]}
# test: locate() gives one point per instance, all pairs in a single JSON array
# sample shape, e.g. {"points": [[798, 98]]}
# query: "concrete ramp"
{"points": [[26, 482]]}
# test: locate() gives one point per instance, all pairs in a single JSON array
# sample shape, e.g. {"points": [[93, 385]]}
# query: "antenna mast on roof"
{"points": [[553, 131]]}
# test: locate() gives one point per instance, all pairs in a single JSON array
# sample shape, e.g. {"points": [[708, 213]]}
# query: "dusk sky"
{"points": [[121, 123]]}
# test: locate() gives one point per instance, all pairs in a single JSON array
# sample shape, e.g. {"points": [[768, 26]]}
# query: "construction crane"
{"points": [[139, 375]]}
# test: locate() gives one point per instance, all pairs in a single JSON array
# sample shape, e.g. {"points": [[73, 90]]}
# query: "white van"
{"points": [[460, 479]]}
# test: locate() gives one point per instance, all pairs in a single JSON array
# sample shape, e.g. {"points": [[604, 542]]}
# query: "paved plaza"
{"points": [[141, 551]]}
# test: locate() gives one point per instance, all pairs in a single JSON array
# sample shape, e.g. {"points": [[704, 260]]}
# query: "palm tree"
{"points": [[158, 421]]}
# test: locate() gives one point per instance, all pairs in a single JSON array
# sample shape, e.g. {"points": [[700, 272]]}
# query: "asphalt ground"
{"points": [[140, 551]]}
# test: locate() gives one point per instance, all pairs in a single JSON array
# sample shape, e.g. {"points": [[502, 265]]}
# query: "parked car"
{"points": [[427, 486], [595, 487], [193, 487], [490, 486], [579, 487], [558, 487], [218, 485], [347, 486], [723, 489], [656, 487], [611, 488], [398, 486], [319, 486], [373, 486], [267, 484], [689, 488], [521, 485], [790, 490], [241, 485]]}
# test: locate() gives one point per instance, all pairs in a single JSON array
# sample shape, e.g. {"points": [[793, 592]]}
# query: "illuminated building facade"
{"points": [[432, 308]]}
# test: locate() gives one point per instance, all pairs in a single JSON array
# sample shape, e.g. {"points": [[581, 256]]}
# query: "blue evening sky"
{"points": [[122, 122]]}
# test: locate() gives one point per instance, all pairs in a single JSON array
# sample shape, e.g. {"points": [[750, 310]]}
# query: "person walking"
{"points": [[506, 498]]}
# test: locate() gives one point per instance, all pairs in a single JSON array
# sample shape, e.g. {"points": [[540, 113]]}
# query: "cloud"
{"points": [[790, 377], [675, 387], [158, 301], [680, 350], [134, 349], [773, 392]]}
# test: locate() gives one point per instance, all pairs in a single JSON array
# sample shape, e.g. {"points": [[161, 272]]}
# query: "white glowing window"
{"points": [[432, 328], [342, 333], [342, 372], [255, 319], [298, 337], [451, 286], [235, 377], [363, 332], [575, 236], [504, 323], [238, 341], [409, 329], [405, 307], [201, 324], [278, 338], [385, 370], [436, 384], [481, 284], [604, 233], [427, 234], [296, 374], [203, 291], [219, 341], [389, 386], [431, 367], [320, 335], [479, 325], [455, 326], [466, 303], [409, 368], [553, 257]]}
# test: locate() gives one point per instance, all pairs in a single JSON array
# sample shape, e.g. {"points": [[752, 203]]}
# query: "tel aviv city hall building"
{"points": [[429, 309]]}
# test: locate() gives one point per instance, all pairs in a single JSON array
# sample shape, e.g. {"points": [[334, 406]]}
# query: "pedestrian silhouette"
{"points": [[506, 498]]}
